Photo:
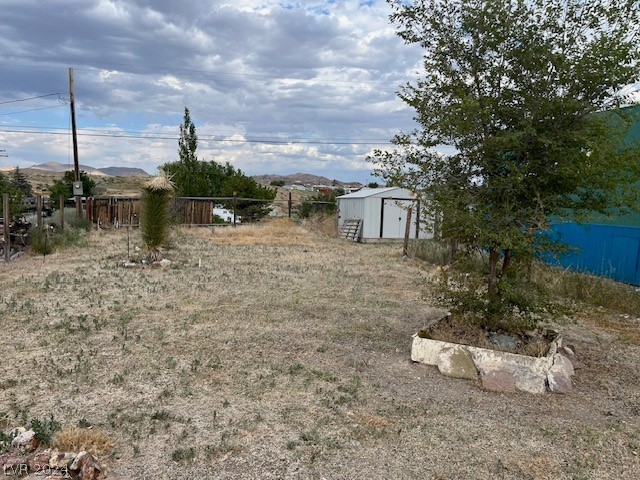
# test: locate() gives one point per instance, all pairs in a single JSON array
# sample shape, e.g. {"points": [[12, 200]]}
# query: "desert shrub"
{"points": [[45, 428], [41, 241], [77, 439], [46, 241], [80, 223]]}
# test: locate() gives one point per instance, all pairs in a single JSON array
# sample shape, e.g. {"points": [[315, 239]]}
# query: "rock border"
{"points": [[498, 371]]}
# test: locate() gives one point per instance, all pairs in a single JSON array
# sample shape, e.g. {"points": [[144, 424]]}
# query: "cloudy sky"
{"points": [[272, 86]]}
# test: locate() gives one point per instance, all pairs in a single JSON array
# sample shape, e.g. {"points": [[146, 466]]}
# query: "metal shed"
{"points": [[379, 214]]}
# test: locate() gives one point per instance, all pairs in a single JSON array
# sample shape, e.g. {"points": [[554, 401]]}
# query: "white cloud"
{"points": [[314, 71]]}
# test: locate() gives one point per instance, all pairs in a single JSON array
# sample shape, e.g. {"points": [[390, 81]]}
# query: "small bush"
{"points": [[41, 241], [5, 440], [45, 242], [77, 439], [183, 454], [80, 223], [45, 428]]}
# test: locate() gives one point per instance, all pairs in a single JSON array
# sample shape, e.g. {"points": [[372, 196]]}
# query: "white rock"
{"points": [[564, 362], [164, 263], [26, 441]]}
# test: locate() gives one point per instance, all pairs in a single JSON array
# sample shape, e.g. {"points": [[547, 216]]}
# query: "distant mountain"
{"points": [[122, 171], [108, 171], [303, 178]]}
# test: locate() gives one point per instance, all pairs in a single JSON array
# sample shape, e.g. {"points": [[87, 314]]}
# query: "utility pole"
{"points": [[77, 184], [3, 153]]}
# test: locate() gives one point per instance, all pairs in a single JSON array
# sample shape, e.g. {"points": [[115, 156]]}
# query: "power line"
{"points": [[32, 110], [202, 136], [208, 138], [29, 98]]}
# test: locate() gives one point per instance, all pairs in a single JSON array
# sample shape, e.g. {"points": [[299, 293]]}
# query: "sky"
{"points": [[273, 87]]}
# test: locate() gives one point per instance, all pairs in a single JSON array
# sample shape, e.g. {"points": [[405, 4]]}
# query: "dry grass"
{"points": [[281, 231], [78, 439], [274, 352]]}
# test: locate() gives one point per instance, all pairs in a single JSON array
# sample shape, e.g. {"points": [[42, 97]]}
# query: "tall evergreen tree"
{"points": [[20, 182], [188, 142]]}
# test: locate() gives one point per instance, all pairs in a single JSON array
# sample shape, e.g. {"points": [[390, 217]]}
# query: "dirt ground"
{"points": [[287, 356]]}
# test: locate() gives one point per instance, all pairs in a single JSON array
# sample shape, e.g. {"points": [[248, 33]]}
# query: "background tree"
{"points": [[518, 87], [20, 182], [196, 178], [64, 186], [15, 196]]}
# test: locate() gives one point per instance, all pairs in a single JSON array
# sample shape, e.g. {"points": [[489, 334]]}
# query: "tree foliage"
{"points": [[524, 90], [64, 187], [15, 197], [197, 178], [20, 182]]}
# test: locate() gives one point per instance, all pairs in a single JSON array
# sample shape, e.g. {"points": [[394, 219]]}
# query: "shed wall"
{"points": [[349, 208]]}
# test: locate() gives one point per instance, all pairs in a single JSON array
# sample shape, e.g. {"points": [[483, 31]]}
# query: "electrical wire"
{"points": [[30, 98], [31, 110], [203, 137]]}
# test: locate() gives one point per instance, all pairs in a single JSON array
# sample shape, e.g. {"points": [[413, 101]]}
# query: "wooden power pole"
{"points": [[76, 163]]}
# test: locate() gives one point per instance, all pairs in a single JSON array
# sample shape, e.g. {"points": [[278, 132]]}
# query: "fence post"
{"points": [[407, 231], [90, 210], [5, 219], [289, 204], [235, 203], [39, 211], [61, 204]]}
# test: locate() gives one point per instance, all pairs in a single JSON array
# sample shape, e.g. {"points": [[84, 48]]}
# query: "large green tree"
{"points": [[521, 89], [196, 178]]}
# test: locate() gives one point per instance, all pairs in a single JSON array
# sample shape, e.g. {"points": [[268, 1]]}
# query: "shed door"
{"points": [[394, 218]]}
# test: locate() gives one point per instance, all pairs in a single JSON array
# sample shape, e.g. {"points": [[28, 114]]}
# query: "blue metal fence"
{"points": [[606, 250]]}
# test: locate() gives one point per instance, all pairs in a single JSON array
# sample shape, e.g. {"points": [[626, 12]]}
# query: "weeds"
{"points": [[183, 455], [78, 439], [45, 428]]}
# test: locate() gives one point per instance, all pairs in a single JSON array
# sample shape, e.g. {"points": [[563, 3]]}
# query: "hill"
{"points": [[303, 178], [107, 171]]}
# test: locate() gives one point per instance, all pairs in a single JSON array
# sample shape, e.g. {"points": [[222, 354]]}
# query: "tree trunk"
{"points": [[493, 268], [453, 245], [506, 262]]}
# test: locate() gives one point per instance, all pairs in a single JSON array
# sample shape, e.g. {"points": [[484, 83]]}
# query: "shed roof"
{"points": [[375, 192]]}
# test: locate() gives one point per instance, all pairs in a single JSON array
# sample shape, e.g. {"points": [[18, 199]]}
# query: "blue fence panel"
{"points": [[606, 250]]}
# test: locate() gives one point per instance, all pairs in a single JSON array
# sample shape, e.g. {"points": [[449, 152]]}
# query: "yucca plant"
{"points": [[154, 218]]}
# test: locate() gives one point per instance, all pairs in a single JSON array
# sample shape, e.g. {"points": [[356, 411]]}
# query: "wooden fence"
{"points": [[118, 211], [123, 211]]}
